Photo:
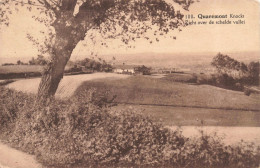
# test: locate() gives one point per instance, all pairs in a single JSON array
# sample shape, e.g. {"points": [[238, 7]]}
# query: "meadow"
{"points": [[20, 69], [144, 90], [187, 116]]}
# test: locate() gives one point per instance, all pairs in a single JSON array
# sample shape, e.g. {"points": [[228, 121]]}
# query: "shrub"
{"points": [[11, 103], [81, 132], [247, 92], [223, 81], [204, 79]]}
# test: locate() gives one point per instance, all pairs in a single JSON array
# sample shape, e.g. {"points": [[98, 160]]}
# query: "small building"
{"points": [[125, 69]]}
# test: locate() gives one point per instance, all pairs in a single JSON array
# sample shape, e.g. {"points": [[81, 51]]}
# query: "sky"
{"points": [[192, 39]]}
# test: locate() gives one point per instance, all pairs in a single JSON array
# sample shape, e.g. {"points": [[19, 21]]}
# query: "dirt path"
{"points": [[12, 158], [68, 85]]}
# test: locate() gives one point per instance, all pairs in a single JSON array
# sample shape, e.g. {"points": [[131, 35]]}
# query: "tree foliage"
{"points": [[144, 70], [40, 60], [94, 65], [126, 19], [226, 64], [235, 74], [253, 69]]}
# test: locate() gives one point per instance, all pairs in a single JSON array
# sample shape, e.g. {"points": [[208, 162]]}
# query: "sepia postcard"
{"points": [[129, 83]]}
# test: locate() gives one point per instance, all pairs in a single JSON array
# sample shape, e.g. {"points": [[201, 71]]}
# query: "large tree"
{"points": [[70, 20]]}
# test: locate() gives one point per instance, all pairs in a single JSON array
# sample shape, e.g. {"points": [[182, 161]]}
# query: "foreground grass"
{"points": [[85, 132]]}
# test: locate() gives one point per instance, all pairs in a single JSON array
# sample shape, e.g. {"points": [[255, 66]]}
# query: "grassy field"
{"points": [[20, 69], [149, 91], [180, 104], [180, 77], [185, 116]]}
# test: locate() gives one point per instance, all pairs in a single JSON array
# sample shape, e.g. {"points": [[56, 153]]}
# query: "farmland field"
{"points": [[141, 90], [187, 116], [20, 69]]}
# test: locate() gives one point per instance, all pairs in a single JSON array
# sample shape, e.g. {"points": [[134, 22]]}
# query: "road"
{"points": [[67, 86], [12, 158]]}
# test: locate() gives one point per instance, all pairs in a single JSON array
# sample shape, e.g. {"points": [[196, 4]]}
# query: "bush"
{"points": [[82, 132], [247, 92], [204, 79], [222, 80]]}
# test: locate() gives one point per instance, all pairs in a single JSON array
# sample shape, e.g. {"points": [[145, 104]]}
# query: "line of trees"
{"points": [[40, 60], [91, 65], [226, 64], [144, 70], [232, 74], [245, 73]]}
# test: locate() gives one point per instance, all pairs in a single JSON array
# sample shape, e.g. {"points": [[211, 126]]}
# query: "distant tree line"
{"points": [[40, 60], [144, 70], [90, 65], [19, 62], [8, 64]]}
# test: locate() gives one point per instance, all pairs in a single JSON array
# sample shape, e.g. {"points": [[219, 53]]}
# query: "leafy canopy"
{"points": [[123, 19]]}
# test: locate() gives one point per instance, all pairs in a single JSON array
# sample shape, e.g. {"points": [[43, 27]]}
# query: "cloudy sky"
{"points": [[193, 39]]}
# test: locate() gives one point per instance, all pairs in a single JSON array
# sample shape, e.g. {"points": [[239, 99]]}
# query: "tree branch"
{"points": [[68, 5], [49, 6], [21, 2]]}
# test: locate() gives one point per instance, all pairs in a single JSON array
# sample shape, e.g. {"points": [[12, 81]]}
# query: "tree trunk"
{"points": [[52, 77], [53, 73], [69, 32]]}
